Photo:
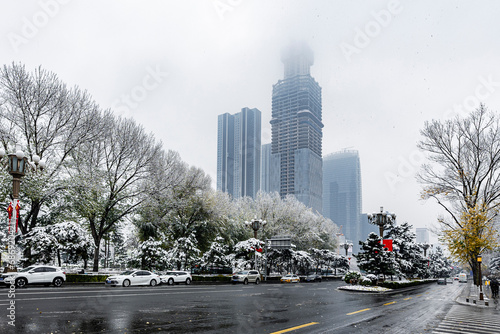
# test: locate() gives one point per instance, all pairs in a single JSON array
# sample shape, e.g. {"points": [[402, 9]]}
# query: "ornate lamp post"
{"points": [[17, 167], [346, 245], [255, 225], [381, 219], [479, 260]]}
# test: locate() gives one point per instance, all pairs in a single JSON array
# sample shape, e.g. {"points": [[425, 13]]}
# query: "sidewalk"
{"points": [[470, 296]]}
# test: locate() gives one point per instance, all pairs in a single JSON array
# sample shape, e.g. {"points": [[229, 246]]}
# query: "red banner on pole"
{"points": [[18, 208], [387, 244], [9, 211]]}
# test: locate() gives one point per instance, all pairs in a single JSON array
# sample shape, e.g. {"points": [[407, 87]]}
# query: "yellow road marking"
{"points": [[366, 309], [390, 303], [419, 295], [296, 327], [407, 298]]}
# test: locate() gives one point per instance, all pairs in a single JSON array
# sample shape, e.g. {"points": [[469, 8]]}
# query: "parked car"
{"points": [[441, 281], [36, 274], [449, 280], [134, 277], [171, 277], [246, 276], [313, 277], [290, 278], [455, 278]]}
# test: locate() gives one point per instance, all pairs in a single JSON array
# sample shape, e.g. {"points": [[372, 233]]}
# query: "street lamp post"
{"points": [[17, 168], [346, 245], [479, 260], [255, 225], [381, 219]]}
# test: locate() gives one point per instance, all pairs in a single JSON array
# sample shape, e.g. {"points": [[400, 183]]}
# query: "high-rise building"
{"points": [[265, 162], [238, 153], [296, 128], [422, 235], [342, 194]]}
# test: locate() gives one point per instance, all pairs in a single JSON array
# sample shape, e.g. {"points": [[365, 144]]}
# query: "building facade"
{"points": [[265, 162], [239, 153], [342, 195], [296, 128]]}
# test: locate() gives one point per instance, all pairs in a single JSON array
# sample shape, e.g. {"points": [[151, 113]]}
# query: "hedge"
{"points": [[405, 284], [218, 278], [78, 278]]}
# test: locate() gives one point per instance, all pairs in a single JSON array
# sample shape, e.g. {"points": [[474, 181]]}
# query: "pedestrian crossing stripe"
{"points": [[465, 319]]}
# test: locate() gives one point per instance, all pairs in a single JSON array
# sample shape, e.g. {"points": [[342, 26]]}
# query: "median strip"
{"points": [[366, 309], [295, 328]]}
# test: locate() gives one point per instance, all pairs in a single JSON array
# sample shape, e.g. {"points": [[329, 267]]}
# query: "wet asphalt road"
{"points": [[264, 308]]}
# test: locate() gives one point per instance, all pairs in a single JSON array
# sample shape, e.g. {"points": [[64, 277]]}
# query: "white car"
{"points": [[134, 277], [36, 274], [246, 276], [174, 276]]}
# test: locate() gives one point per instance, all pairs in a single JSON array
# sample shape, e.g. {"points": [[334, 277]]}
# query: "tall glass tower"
{"points": [[296, 126], [342, 194], [238, 153]]}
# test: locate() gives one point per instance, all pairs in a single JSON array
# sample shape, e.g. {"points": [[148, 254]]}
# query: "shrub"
{"points": [[365, 281], [76, 278], [352, 277]]}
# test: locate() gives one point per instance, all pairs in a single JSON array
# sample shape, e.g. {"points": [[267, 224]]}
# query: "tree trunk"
{"points": [[59, 257], [96, 255]]}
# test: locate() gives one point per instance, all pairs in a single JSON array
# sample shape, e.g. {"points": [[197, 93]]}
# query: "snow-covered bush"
{"points": [[372, 278], [365, 281], [352, 277]]}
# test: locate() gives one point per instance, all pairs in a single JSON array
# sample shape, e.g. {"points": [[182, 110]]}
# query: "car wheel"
{"points": [[245, 281], [58, 281], [257, 281], [153, 282], [170, 281], [188, 281], [126, 283], [21, 282]]}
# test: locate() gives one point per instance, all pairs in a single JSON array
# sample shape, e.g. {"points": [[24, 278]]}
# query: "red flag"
{"points": [[18, 208], [9, 211]]}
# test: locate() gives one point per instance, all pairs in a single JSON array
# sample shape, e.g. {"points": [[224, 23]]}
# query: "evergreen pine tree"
{"points": [[374, 259]]}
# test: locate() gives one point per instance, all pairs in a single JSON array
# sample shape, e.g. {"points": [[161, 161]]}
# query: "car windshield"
{"points": [[242, 272], [26, 269], [128, 272]]}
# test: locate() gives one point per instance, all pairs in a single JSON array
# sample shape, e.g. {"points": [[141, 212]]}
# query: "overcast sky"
{"points": [[385, 67]]}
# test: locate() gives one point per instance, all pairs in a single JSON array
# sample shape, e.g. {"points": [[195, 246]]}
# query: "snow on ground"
{"points": [[364, 288]]}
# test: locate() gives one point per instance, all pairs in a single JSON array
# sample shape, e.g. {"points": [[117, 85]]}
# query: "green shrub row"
{"points": [[399, 285], [76, 278], [218, 278]]}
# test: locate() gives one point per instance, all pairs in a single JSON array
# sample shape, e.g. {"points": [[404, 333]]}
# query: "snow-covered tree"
{"points": [[439, 265], [217, 254], [494, 265], [151, 255], [43, 116], [42, 244], [407, 252], [107, 176], [184, 253], [374, 259]]}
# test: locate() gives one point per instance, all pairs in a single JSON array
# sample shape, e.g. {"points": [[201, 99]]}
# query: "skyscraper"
{"points": [[296, 127], [238, 153], [342, 194], [265, 162]]}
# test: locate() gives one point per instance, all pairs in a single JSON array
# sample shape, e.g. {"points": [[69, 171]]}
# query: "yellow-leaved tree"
{"points": [[463, 176]]}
